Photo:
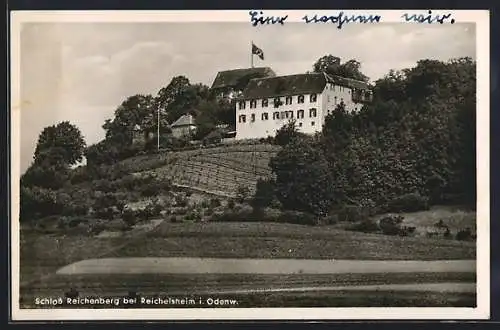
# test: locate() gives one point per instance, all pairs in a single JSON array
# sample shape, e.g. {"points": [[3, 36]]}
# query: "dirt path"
{"points": [[260, 266], [418, 287]]}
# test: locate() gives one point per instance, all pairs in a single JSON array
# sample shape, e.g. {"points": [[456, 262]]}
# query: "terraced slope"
{"points": [[220, 170]]}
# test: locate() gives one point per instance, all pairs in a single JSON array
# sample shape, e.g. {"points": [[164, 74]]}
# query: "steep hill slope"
{"points": [[220, 170]]}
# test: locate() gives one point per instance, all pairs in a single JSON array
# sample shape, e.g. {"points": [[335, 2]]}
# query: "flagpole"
{"points": [[251, 52], [158, 130]]}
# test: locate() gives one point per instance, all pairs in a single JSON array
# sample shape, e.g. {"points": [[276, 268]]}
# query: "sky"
{"points": [[81, 72]]}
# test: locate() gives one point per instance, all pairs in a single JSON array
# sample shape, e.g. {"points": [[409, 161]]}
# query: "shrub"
{"points": [[264, 194], [391, 225], [296, 217], [408, 203], [230, 204], [407, 230], [181, 201], [103, 185], [39, 202], [215, 202], [156, 188], [365, 226], [242, 194], [108, 206], [129, 217], [464, 235], [352, 213]]}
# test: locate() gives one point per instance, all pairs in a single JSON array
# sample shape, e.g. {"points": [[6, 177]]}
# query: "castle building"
{"points": [[266, 104]]}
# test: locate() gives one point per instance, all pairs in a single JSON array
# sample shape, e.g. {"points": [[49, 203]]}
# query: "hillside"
{"points": [[219, 170]]}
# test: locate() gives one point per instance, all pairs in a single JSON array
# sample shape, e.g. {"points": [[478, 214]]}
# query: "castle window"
{"points": [[300, 114], [312, 123], [253, 104], [312, 112], [242, 105], [300, 99], [289, 114], [283, 115], [277, 102], [276, 115], [252, 117], [265, 103], [265, 116], [288, 100], [335, 100], [242, 119], [313, 98]]}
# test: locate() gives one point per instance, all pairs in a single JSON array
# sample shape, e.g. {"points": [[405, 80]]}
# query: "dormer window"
{"points": [[288, 100], [242, 105], [253, 104], [313, 98], [265, 103], [300, 99]]}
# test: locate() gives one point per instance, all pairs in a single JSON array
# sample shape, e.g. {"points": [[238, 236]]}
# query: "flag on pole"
{"points": [[257, 51]]}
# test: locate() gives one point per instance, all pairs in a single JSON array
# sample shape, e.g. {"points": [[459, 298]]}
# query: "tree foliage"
{"points": [[331, 65], [303, 179], [62, 143], [412, 139]]}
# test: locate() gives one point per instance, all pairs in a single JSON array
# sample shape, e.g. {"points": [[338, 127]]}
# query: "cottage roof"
{"points": [[239, 78], [184, 120], [306, 83]]}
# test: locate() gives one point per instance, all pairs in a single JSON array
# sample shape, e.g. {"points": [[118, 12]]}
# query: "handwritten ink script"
{"points": [[428, 18], [258, 18]]}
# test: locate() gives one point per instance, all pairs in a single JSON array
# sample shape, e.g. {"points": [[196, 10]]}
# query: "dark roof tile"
{"points": [[239, 78]]}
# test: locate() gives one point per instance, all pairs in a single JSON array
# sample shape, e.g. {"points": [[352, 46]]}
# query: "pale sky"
{"points": [[81, 72]]}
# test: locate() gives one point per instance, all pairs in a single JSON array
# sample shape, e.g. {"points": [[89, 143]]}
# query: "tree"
{"points": [[61, 143], [331, 65], [136, 111], [288, 133], [303, 179]]}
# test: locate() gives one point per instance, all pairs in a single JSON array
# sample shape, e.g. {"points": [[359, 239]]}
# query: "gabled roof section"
{"points": [[348, 82], [239, 78], [184, 120], [306, 83]]}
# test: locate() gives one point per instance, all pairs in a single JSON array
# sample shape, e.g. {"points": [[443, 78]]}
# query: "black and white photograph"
{"points": [[250, 164]]}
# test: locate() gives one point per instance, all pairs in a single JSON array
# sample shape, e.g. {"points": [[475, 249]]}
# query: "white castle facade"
{"points": [[266, 104]]}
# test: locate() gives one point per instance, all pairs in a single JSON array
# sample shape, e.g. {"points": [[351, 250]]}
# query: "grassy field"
{"points": [[44, 253]]}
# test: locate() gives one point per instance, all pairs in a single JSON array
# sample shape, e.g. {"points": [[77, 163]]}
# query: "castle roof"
{"points": [[239, 78], [305, 83]]}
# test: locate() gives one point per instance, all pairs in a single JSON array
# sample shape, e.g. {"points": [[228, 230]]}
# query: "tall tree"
{"points": [[303, 179], [62, 144], [137, 110], [331, 65]]}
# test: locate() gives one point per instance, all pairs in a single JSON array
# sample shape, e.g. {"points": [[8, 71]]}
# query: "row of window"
{"points": [[279, 115], [277, 101], [243, 119]]}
